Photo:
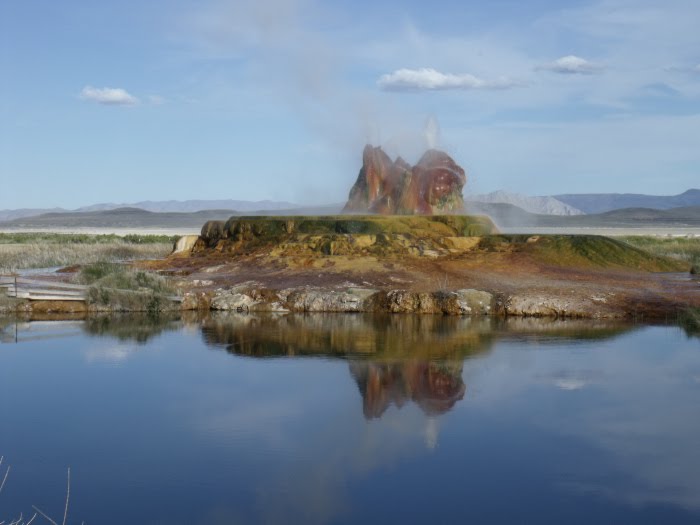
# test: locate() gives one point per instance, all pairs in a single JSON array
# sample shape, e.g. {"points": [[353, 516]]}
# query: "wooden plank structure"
{"points": [[34, 290], [45, 290]]}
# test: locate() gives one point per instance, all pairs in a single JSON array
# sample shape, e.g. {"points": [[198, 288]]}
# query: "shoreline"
{"points": [[440, 265], [472, 303]]}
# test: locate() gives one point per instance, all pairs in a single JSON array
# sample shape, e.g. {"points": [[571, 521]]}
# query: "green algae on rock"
{"points": [[343, 234]]}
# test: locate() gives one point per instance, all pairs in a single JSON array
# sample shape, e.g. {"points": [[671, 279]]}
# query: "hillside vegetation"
{"points": [[597, 251], [680, 248]]}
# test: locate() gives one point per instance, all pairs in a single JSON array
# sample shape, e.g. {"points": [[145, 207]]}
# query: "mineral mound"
{"points": [[386, 187], [343, 235]]}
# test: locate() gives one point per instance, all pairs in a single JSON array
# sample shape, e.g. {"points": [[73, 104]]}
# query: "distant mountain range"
{"points": [[138, 218], [504, 215], [604, 202], [509, 216], [8, 215], [189, 206], [503, 202], [539, 205]]}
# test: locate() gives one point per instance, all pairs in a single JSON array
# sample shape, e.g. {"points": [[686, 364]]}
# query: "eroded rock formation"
{"points": [[386, 187], [459, 302]]}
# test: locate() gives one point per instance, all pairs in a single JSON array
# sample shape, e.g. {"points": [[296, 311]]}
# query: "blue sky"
{"points": [[274, 99]]}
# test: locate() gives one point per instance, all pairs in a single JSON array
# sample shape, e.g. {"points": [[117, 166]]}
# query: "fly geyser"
{"points": [[386, 187], [406, 245]]}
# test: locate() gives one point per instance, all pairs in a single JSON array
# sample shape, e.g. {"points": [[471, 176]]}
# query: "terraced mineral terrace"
{"points": [[448, 264]]}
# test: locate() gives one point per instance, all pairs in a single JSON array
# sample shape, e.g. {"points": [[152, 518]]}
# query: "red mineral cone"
{"points": [[433, 186]]}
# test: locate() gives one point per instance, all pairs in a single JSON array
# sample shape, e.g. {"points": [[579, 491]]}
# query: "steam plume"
{"points": [[432, 132]]}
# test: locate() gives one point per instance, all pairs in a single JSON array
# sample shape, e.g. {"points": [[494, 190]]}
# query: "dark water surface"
{"points": [[350, 419]]}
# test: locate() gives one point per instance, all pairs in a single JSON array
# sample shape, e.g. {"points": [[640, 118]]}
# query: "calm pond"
{"points": [[350, 419]]}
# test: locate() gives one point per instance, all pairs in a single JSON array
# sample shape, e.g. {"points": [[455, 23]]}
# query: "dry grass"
{"points": [[685, 249], [49, 255]]}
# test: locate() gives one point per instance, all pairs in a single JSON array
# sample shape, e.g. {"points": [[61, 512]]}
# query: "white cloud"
{"points": [[108, 96], [111, 354], [569, 383], [428, 79], [571, 65], [282, 72]]}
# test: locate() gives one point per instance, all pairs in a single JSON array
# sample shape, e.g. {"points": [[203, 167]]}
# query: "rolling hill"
{"points": [[509, 216], [138, 218], [604, 202], [505, 215], [539, 205]]}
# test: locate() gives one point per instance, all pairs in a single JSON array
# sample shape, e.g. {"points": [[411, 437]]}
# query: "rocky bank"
{"points": [[447, 265]]}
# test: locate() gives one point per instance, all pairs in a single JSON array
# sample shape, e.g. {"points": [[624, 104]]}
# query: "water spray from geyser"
{"points": [[431, 132]]}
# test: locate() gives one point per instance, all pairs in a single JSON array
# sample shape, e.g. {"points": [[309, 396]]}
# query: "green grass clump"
{"points": [[686, 249], [133, 238], [125, 289], [119, 276], [272, 228], [689, 320], [91, 273], [582, 250], [695, 265]]}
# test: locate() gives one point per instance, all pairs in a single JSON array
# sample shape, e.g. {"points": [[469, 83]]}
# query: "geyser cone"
{"points": [[431, 187]]}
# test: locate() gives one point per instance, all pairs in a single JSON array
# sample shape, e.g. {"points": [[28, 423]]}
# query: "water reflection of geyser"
{"points": [[434, 386], [393, 360]]}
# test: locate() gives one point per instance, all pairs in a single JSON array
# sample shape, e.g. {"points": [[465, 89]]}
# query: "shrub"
{"points": [[689, 320], [96, 271], [125, 289]]}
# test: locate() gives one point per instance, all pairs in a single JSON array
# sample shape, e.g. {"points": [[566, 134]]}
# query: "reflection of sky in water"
{"points": [[558, 429], [632, 399]]}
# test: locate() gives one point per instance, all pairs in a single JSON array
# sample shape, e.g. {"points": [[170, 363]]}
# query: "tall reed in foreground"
{"points": [[37, 512]]}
